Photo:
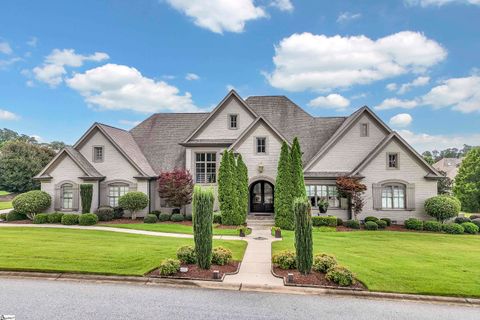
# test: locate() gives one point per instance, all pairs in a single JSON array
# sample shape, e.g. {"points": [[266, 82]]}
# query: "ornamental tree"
{"points": [[176, 187], [353, 190], [467, 182], [32, 202], [203, 200], [133, 201], [442, 207], [283, 191], [303, 235]]}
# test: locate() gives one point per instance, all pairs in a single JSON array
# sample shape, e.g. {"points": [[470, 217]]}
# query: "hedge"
{"points": [[329, 221]]}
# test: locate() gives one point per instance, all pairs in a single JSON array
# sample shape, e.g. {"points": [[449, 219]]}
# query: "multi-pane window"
{"points": [[206, 167], [329, 192], [115, 192], [67, 196], [97, 154], [392, 160], [393, 197], [364, 129], [261, 145], [233, 121]]}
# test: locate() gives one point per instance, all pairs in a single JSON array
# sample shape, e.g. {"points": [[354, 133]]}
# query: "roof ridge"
{"points": [[110, 126]]}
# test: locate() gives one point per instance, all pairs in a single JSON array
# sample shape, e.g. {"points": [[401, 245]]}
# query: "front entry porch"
{"points": [[261, 198]]}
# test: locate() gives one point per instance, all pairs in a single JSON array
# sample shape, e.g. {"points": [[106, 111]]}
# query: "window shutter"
{"points": [[103, 194], [57, 201], [132, 187], [377, 196], [410, 196], [75, 199]]}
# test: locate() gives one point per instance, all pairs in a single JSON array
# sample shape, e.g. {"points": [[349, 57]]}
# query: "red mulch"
{"points": [[19, 222], [194, 272], [314, 278]]}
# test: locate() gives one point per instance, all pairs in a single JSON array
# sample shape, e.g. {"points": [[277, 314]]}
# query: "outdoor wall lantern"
{"points": [[260, 167]]}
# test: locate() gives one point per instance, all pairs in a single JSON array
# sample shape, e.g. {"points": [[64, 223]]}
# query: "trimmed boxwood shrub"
{"points": [[470, 227], [413, 224], [352, 224], [150, 218], [221, 256], [186, 254], [177, 217], [387, 220], [14, 215], [105, 213], [453, 228], [370, 218], [156, 212], [118, 212], [217, 217], [329, 221], [55, 217], [87, 219], [341, 276], [461, 220], [339, 222], [323, 262], [188, 217], [133, 201], [382, 224], [442, 207], [169, 267], [32, 202], [371, 225], [70, 219], [476, 222], [162, 217], [40, 218], [432, 225], [285, 260]]}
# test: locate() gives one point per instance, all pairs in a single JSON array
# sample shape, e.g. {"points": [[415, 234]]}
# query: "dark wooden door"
{"points": [[261, 197]]}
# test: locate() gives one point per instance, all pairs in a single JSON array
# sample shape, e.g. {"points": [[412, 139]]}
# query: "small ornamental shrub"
{"points": [[186, 254], [150, 218], [370, 218], [470, 227], [188, 217], [453, 228], [32, 202], [217, 217], [442, 207], [370, 225], [105, 213], [413, 224], [476, 222], [87, 219], [118, 212], [70, 219], [461, 220], [341, 276], [14, 215], [177, 217], [169, 267], [285, 260], [382, 224], [339, 222], [162, 217], [55, 217], [133, 201], [156, 212], [352, 224], [221, 256], [329, 221], [323, 262], [474, 216], [40, 218], [432, 225], [388, 221], [3, 216]]}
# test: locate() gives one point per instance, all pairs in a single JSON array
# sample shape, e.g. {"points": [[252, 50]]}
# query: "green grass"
{"points": [[169, 228], [4, 193], [88, 251], [5, 205], [405, 262]]}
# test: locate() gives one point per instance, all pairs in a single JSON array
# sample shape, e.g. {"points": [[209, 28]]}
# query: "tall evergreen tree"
{"points": [[242, 177], [298, 182], [467, 182], [303, 235], [202, 225], [283, 191], [228, 191]]}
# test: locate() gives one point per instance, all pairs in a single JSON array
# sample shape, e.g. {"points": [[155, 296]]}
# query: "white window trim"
{"points": [[391, 185], [62, 191], [195, 167], [255, 145]]}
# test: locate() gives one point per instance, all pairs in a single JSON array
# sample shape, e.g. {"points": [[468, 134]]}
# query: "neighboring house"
{"points": [[116, 161], [449, 166]]}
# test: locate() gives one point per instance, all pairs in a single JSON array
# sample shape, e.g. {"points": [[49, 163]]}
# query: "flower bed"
{"points": [[196, 273]]}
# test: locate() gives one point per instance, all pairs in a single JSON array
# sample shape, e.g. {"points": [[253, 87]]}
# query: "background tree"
{"points": [[427, 156], [303, 235], [467, 182], [284, 217], [202, 225], [298, 182], [176, 187], [133, 201], [353, 190], [444, 184], [86, 193], [242, 177]]}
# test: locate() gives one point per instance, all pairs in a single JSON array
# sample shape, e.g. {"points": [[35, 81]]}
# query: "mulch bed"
{"points": [[393, 227], [8, 197], [313, 279], [195, 273]]}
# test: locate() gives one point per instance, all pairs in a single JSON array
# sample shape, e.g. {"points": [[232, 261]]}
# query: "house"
{"points": [[361, 145], [449, 166]]}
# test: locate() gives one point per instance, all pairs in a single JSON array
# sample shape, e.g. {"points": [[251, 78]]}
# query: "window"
{"points": [[393, 197], [115, 192], [67, 196], [233, 121], [97, 154], [392, 160], [206, 167], [364, 130], [261, 145], [329, 192]]}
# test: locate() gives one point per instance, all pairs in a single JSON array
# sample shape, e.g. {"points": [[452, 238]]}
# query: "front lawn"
{"points": [[405, 262], [88, 251], [170, 228], [4, 193], [5, 205]]}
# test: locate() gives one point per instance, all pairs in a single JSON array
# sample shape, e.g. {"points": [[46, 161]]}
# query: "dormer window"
{"points": [[98, 154], [364, 130], [233, 121]]}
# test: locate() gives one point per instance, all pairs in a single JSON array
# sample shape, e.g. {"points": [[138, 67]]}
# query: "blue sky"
{"points": [[65, 64]]}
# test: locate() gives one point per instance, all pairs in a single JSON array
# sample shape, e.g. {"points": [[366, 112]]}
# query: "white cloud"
{"points": [[391, 86], [219, 15], [393, 103], [32, 42], [283, 5], [5, 48], [321, 63], [332, 101], [119, 87], [192, 76], [129, 123], [7, 62], [348, 16], [424, 141], [7, 115], [418, 82], [439, 3], [53, 69], [401, 120]]}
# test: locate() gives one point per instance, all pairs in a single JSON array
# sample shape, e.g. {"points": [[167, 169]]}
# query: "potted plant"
{"points": [[242, 230], [323, 205], [277, 232]]}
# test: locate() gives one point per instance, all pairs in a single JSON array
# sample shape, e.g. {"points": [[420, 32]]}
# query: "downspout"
{"points": [[98, 194], [149, 196]]}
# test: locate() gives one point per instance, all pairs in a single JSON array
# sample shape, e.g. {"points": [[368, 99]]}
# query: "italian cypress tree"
{"points": [[242, 177], [283, 191], [203, 200], [86, 192], [223, 177], [227, 190], [298, 182], [303, 235]]}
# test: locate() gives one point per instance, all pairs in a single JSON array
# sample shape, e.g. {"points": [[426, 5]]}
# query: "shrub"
{"points": [[370, 225], [203, 200], [87, 219], [370, 218], [217, 217], [176, 217], [32, 202], [40, 218], [150, 218], [3, 216], [156, 213], [323, 262], [432, 225], [14, 215], [453, 228], [55, 217], [70, 219], [382, 224], [470, 227], [461, 220], [169, 267], [303, 234], [118, 212], [339, 222], [133, 201], [442, 207], [352, 224], [413, 224], [188, 217], [476, 222], [329, 221], [388, 221], [105, 213], [164, 217], [86, 193], [285, 260], [221, 256], [186, 254], [341, 276]]}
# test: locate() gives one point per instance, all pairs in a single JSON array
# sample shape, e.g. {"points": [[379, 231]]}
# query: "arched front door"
{"points": [[261, 196]]}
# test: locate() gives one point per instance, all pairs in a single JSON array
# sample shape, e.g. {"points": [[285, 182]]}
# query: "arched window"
{"points": [[67, 196], [115, 191], [393, 196]]}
